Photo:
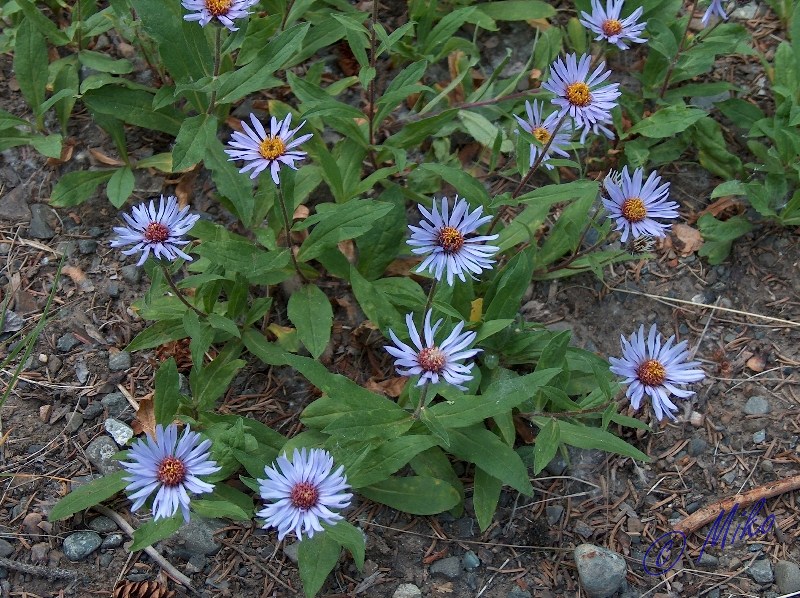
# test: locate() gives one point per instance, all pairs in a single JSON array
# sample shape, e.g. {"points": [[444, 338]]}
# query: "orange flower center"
{"points": [[578, 94], [652, 373], [171, 471], [156, 232], [542, 135], [218, 7], [271, 148], [633, 210], [450, 239], [304, 495], [432, 359], [612, 27]]}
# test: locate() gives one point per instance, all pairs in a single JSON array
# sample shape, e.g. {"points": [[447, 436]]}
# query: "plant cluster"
{"points": [[357, 149]]}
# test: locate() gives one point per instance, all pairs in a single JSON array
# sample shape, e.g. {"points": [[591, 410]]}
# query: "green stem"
{"points": [[217, 60], [286, 15], [421, 404], [287, 228], [373, 59], [681, 48], [431, 293], [177, 291]]}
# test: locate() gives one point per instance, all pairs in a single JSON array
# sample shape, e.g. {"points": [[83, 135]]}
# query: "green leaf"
{"points": [[316, 558], [339, 223], [120, 186], [483, 131], [167, 392], [547, 442], [586, 437], [243, 257], [230, 183], [155, 531], [158, 334], [30, 64], [741, 113], [8, 120], [47, 145], [217, 507], [415, 495], [310, 311], [491, 328], [88, 495], [427, 417], [379, 246], [468, 186], [134, 107], [718, 236], [222, 323], [76, 187], [44, 25], [376, 305], [478, 445], [201, 335], [104, 63], [370, 423], [195, 136], [403, 85], [508, 288], [349, 537], [386, 459], [485, 495], [211, 382], [666, 122], [517, 10]]}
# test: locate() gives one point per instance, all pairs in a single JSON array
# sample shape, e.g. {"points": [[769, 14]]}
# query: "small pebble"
{"points": [[6, 548], [112, 289], [92, 410], [120, 432], [470, 561], [601, 571], [118, 362], [5, 248], [67, 342], [100, 453], [291, 550], [106, 558], [729, 477], [554, 513], [131, 273], [761, 571], [697, 446], [39, 553], [81, 371], [787, 577], [767, 466], [74, 423], [760, 436], [407, 590], [756, 405], [79, 545], [583, 529], [116, 403], [103, 525], [54, 364], [113, 541], [87, 246], [450, 567]]}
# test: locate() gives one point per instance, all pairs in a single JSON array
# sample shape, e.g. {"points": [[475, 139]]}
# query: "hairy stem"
{"points": [[217, 61], [421, 404], [681, 48], [177, 291], [431, 293], [287, 226], [373, 59], [286, 15]]}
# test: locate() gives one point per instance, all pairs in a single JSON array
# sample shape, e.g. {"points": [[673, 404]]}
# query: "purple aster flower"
{"points": [[655, 369], [635, 205], [431, 360], [169, 466], [607, 24], [444, 238], [159, 231], [543, 129], [222, 10], [715, 8], [597, 128], [261, 150], [580, 94], [305, 491]]}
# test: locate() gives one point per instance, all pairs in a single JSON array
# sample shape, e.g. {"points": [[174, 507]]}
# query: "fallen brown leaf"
{"points": [[79, 278], [145, 416], [391, 387], [756, 363], [685, 239], [104, 159]]}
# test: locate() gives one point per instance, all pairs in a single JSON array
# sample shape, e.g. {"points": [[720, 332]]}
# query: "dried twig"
{"points": [[38, 570], [707, 514], [152, 552]]}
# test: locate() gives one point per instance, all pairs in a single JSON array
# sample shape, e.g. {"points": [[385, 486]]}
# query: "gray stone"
{"points": [[87, 246], [470, 561], [729, 477], [116, 403], [131, 273], [787, 577], [92, 410], [81, 371], [100, 452], [291, 551], [6, 549], [746, 12], [67, 342], [554, 514], [14, 206], [760, 436], [450, 567], [5, 248], [114, 540], [697, 446], [103, 525], [106, 558], [112, 289], [557, 465], [54, 364], [583, 529], [761, 571], [407, 590], [197, 536], [67, 248], [39, 552], [120, 432], [756, 405], [119, 362], [13, 322], [79, 545], [196, 563], [74, 423], [601, 571], [43, 218]]}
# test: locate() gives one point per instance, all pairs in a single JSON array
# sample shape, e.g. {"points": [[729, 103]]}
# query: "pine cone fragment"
{"points": [[142, 589]]}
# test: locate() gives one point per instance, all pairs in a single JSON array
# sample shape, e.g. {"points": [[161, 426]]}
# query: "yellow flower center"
{"points": [[450, 239], [156, 232], [578, 94], [542, 135], [652, 373], [271, 148], [633, 210], [304, 495], [432, 359], [171, 471], [218, 7], [612, 27]]}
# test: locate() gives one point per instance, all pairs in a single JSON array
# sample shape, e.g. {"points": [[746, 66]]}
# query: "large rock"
{"points": [[79, 545], [601, 571], [787, 577]]}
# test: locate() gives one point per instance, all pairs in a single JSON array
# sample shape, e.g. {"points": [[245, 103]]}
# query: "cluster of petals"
{"points": [[656, 369], [715, 8], [430, 361], [156, 230], [170, 467], [543, 129], [608, 25], [635, 205], [302, 493], [224, 11]]}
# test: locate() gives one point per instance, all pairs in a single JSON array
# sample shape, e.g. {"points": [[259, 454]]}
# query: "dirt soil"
{"points": [[743, 317]]}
